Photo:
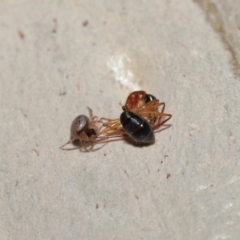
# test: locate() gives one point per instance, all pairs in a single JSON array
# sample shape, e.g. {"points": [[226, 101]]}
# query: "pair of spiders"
{"points": [[139, 119]]}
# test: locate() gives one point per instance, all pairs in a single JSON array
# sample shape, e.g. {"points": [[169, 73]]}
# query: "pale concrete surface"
{"points": [[57, 58]]}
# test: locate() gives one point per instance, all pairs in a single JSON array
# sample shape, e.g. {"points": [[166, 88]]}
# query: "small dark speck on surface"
{"points": [[23, 113], [21, 34], [54, 30], [136, 196], [85, 23], [97, 206], [168, 175], [62, 93]]}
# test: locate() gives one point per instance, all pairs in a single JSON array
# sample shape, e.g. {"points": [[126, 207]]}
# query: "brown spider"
{"points": [[88, 131]]}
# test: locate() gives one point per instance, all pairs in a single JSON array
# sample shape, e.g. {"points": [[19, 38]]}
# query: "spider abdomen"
{"points": [[137, 127]]}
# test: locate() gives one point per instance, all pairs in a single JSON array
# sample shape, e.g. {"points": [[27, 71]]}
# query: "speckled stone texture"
{"points": [[58, 57]]}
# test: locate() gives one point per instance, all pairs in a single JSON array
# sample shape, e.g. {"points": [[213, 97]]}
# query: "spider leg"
{"points": [[90, 112], [111, 130], [163, 107], [154, 114], [82, 137], [92, 118], [108, 120], [159, 123], [68, 142], [111, 126], [152, 106], [108, 138]]}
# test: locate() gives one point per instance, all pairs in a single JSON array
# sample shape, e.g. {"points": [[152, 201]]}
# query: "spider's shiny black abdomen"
{"points": [[149, 98], [137, 127]]}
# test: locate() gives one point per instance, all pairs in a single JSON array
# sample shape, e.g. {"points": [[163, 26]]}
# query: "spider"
{"points": [[89, 131], [140, 117]]}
